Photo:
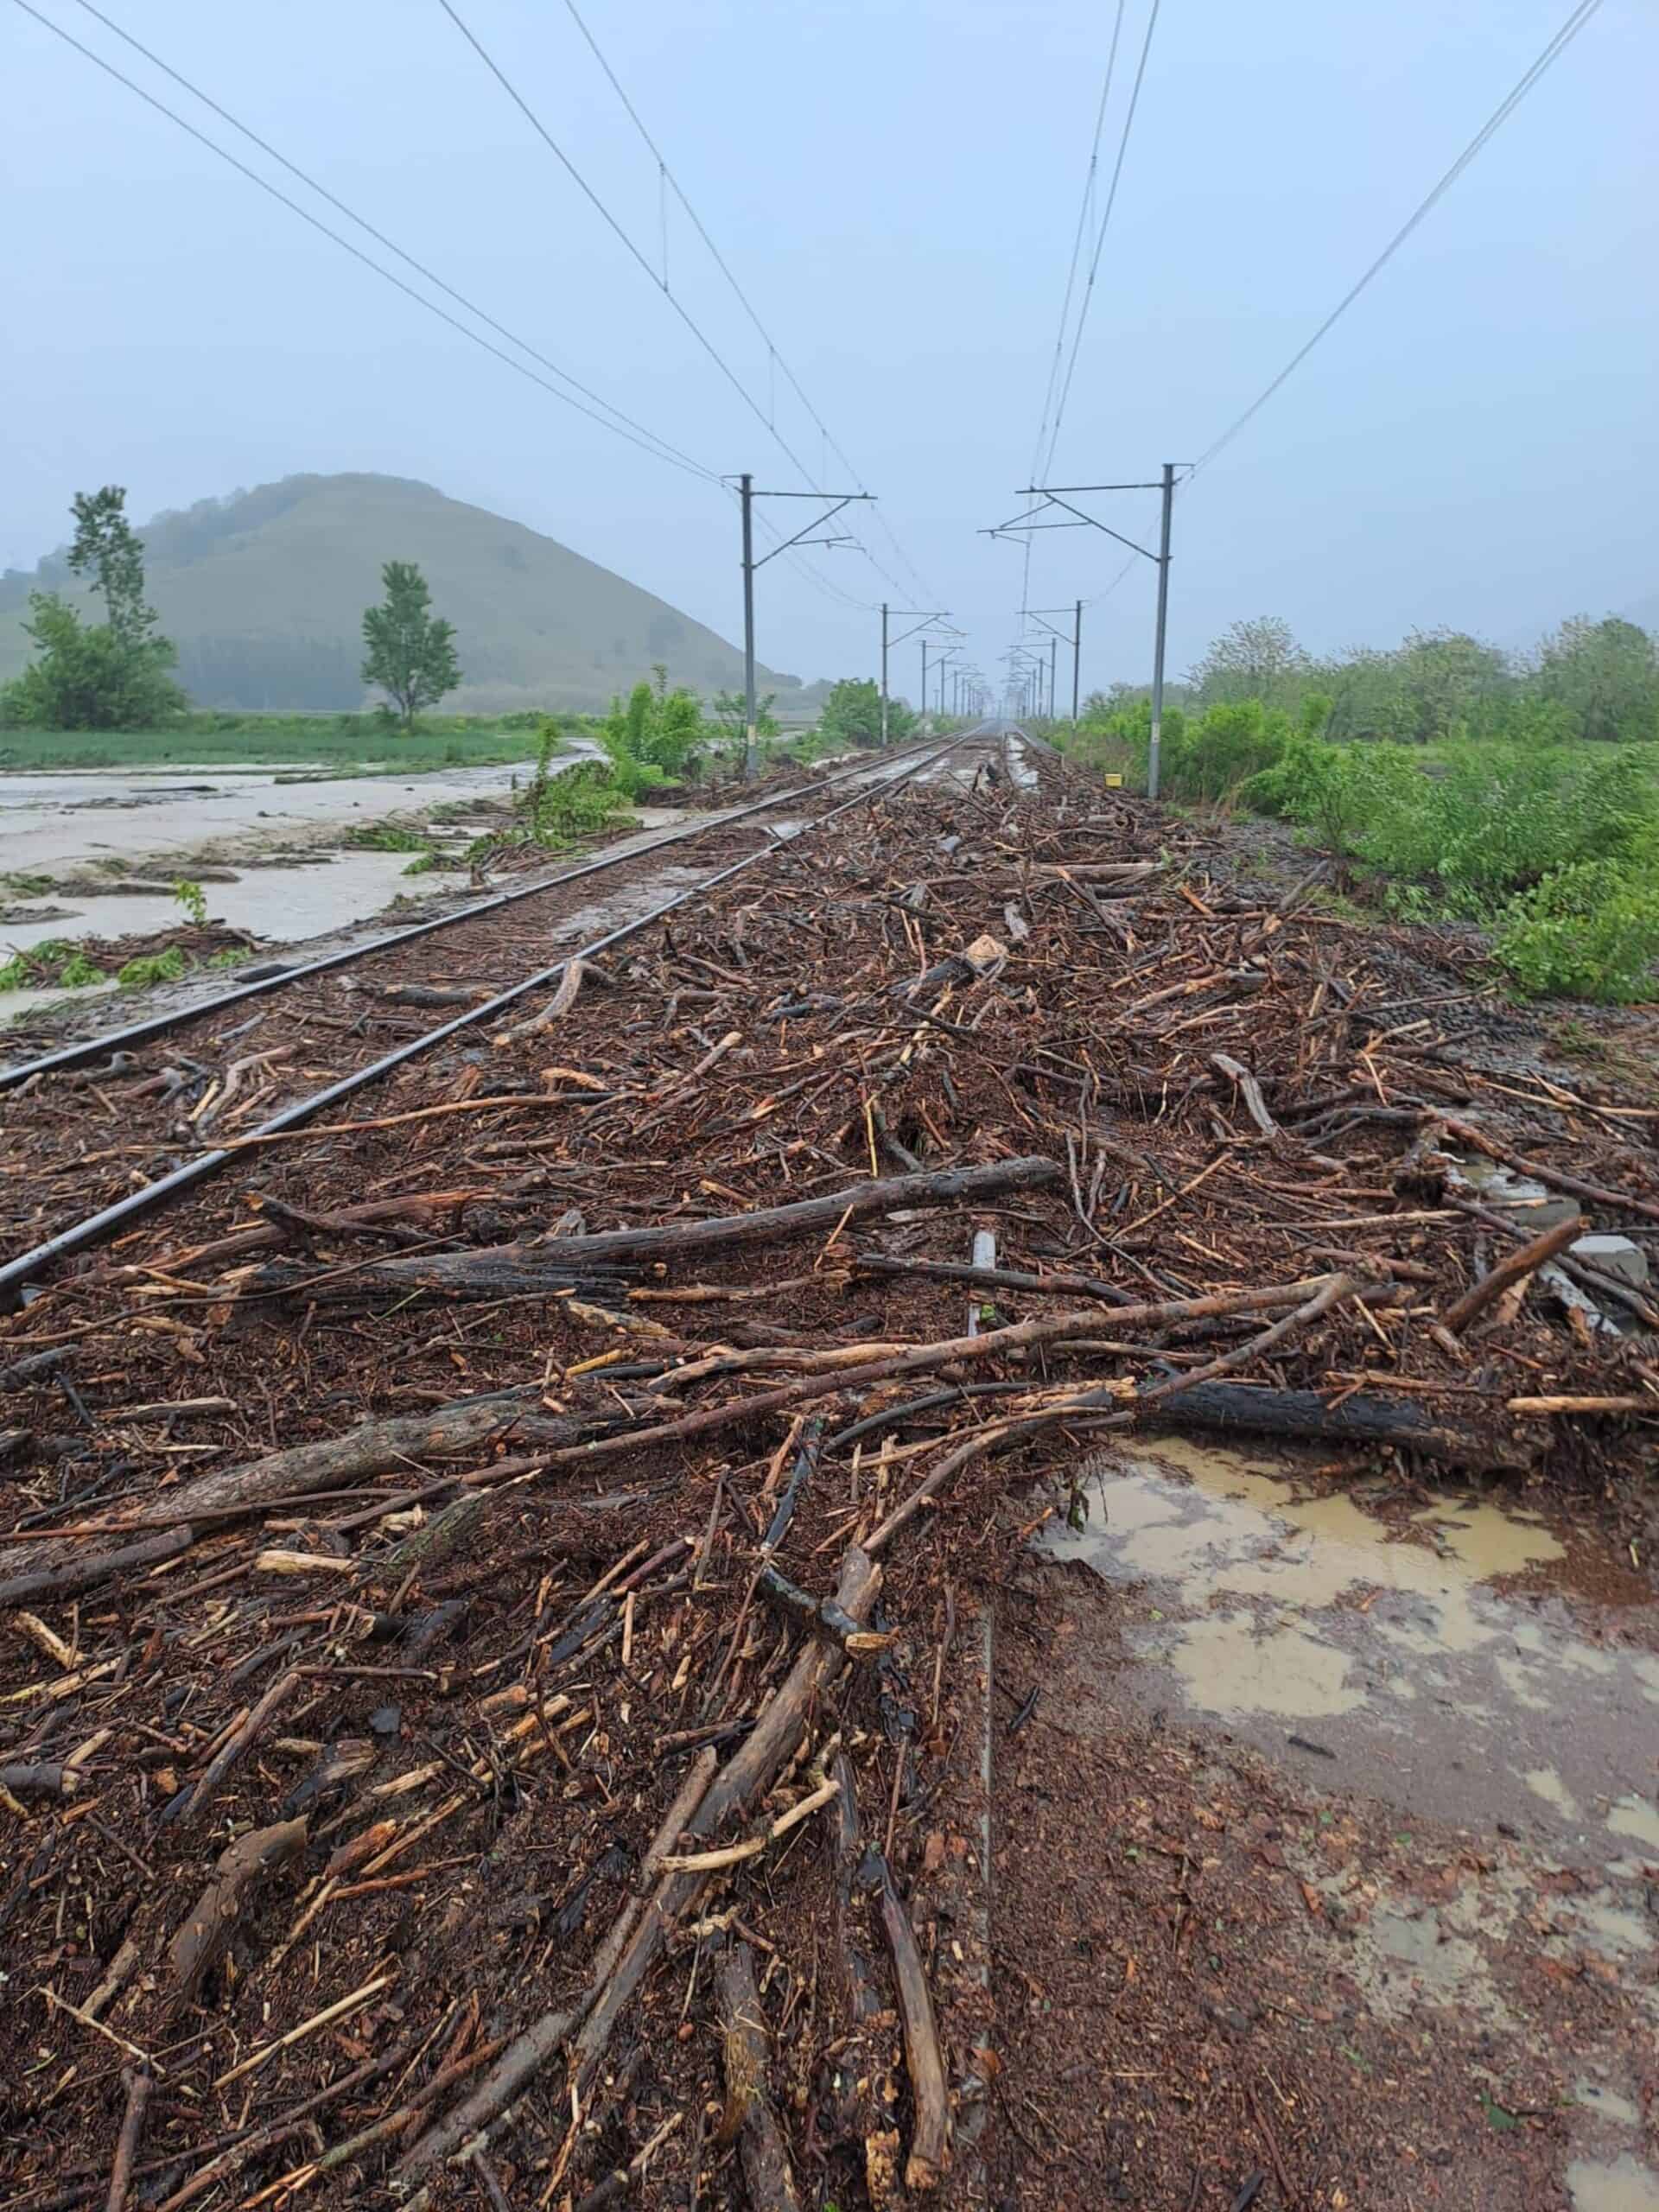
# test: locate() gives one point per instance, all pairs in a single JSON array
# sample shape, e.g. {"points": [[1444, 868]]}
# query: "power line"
{"points": [[611, 223], [775, 357], [1100, 236], [380, 237], [1563, 38], [647, 441], [1085, 206]]}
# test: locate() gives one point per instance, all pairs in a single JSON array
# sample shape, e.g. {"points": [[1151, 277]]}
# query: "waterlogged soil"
{"points": [[1365, 1900]]}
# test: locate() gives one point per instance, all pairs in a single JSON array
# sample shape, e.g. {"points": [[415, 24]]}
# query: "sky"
{"points": [[896, 188]]}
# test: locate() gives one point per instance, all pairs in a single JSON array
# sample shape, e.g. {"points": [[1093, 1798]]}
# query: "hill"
{"points": [[264, 592]]}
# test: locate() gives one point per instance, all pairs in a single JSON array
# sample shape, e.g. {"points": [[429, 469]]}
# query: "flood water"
{"points": [[1464, 1661], [1396, 1646]]}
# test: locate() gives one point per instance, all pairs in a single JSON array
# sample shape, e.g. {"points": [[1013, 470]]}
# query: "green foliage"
{"points": [[1587, 930], [411, 651], [1258, 660], [53, 962], [1591, 681], [727, 709], [108, 675], [852, 714], [385, 837], [152, 968], [1603, 679], [192, 897]]}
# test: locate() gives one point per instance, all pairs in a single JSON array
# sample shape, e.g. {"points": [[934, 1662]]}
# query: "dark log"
{"points": [[37, 1778], [436, 994], [36, 1368], [514, 1270], [68, 1575], [1367, 1417], [750, 2121]]}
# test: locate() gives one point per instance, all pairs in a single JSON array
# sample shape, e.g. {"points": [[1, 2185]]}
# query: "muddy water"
{"points": [[1448, 1663], [1386, 1656]]}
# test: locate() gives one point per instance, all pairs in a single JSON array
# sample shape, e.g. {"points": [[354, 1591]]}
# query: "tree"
{"points": [[108, 675], [851, 714], [1259, 659], [411, 652], [1605, 676], [729, 710]]}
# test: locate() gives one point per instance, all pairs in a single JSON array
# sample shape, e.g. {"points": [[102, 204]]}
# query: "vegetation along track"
{"points": [[101, 1132]]}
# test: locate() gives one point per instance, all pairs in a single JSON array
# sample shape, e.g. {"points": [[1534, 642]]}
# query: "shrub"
{"points": [[1589, 931], [152, 968]]}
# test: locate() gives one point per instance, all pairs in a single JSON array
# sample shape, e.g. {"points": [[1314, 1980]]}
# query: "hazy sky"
{"points": [[896, 187]]}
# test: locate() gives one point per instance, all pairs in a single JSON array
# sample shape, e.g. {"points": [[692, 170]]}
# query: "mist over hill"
{"points": [[262, 592]]}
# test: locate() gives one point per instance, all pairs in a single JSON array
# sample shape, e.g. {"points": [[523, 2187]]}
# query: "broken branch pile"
{"points": [[447, 1690]]}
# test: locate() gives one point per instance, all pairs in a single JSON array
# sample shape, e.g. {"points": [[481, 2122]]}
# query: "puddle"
{"points": [[1412, 1675], [1620, 2185], [1634, 1816]]}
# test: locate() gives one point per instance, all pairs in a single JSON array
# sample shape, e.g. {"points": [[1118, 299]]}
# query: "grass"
{"points": [[337, 742]]}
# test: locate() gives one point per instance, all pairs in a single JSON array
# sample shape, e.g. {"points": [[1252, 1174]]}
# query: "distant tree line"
{"points": [[1592, 680]]}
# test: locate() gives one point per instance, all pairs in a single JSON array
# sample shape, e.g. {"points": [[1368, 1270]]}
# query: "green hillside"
{"points": [[263, 593]]}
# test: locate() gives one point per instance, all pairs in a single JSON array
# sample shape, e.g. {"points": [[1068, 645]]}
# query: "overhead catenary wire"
{"points": [[1085, 208], [636, 434], [776, 360], [1563, 38], [633, 249], [1100, 236], [380, 237]]}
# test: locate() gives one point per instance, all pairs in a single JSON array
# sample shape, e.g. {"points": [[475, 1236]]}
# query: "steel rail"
{"points": [[17, 1273], [161, 1025]]}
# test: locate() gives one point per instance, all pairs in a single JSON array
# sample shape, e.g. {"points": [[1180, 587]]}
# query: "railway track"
{"points": [[99, 1122]]}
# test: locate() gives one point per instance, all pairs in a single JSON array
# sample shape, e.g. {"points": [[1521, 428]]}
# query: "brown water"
{"points": [[1418, 1671]]}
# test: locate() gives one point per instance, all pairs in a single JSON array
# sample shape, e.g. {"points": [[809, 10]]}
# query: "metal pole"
{"points": [[750, 761], [924, 679], [1053, 652], [1163, 623], [1076, 660], [884, 671]]}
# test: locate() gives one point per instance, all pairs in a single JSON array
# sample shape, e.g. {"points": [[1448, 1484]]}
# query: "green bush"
{"points": [[152, 968], [1589, 931]]}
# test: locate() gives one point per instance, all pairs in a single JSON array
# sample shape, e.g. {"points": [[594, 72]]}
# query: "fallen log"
{"points": [[1365, 1417], [38, 1778], [66, 1576], [513, 1270], [202, 1937], [921, 1359], [1513, 1268], [750, 2120], [1052, 1285], [930, 2142]]}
